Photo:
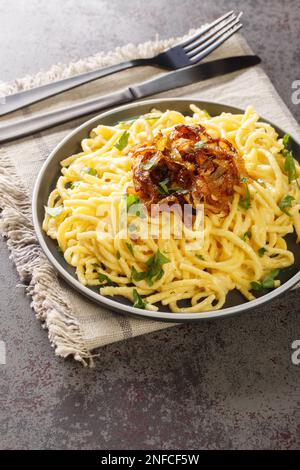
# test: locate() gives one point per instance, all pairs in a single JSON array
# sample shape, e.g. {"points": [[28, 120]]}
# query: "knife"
{"points": [[165, 82]]}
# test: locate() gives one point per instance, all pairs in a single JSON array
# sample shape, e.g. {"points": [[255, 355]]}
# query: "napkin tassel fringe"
{"points": [[39, 277]]}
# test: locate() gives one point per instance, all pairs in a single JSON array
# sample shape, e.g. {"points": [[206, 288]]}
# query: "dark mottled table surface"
{"points": [[215, 385]]}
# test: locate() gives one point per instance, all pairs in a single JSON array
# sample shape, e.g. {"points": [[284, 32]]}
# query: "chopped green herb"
{"points": [[103, 277], [206, 113], [285, 203], [138, 275], [105, 280], [163, 188], [290, 166], [130, 248], [267, 283], [245, 202], [262, 251], [138, 301], [246, 235], [200, 257], [92, 171], [134, 206], [74, 185], [118, 255], [138, 211], [286, 140], [150, 118], [256, 286], [54, 211], [289, 162], [132, 199], [150, 163], [123, 141], [200, 144], [155, 270], [155, 263]]}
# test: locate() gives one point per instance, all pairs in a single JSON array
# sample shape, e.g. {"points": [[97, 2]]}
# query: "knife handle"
{"points": [[24, 98], [30, 125]]}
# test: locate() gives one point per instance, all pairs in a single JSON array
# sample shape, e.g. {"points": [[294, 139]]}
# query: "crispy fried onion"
{"points": [[188, 166]]}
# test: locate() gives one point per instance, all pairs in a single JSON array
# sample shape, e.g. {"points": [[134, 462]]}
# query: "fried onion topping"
{"points": [[188, 166]]}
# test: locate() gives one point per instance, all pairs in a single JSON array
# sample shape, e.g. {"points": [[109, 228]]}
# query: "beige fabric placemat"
{"points": [[75, 325]]}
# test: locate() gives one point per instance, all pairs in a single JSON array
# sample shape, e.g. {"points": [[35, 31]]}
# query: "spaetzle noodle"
{"points": [[239, 250]]}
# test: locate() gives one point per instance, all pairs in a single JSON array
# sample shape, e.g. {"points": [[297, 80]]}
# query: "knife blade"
{"points": [[156, 85]]}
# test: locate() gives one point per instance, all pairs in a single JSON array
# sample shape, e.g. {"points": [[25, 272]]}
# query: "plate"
{"points": [[50, 172]]}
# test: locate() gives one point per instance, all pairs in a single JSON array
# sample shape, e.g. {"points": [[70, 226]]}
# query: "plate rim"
{"points": [[114, 305]]}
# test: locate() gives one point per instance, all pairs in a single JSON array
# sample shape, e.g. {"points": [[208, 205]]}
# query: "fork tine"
{"points": [[201, 40], [205, 30], [204, 52], [211, 39]]}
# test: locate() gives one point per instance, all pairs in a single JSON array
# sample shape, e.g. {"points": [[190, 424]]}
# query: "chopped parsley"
{"points": [[134, 206], [74, 185], [290, 166], [154, 271], [200, 257], [289, 162], [92, 171], [148, 117], [246, 235], [262, 251], [163, 188], [138, 301], [132, 199], [267, 283], [154, 264], [138, 276], [123, 141], [130, 248], [285, 203], [105, 280], [245, 202], [118, 254], [286, 140]]}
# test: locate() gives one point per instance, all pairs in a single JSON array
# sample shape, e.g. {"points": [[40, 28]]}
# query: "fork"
{"points": [[187, 52]]}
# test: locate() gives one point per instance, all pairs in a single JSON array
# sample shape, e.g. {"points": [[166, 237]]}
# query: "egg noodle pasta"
{"points": [[243, 249]]}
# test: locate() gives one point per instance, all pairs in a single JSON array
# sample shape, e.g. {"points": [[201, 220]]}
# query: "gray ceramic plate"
{"points": [[71, 144]]}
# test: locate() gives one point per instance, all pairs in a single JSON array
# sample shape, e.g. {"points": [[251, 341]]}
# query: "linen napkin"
{"points": [[75, 325]]}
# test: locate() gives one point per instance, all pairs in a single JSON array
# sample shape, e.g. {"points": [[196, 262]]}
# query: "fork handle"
{"points": [[25, 98]]}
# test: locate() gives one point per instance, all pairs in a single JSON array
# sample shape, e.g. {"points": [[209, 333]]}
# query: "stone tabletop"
{"points": [[215, 385]]}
